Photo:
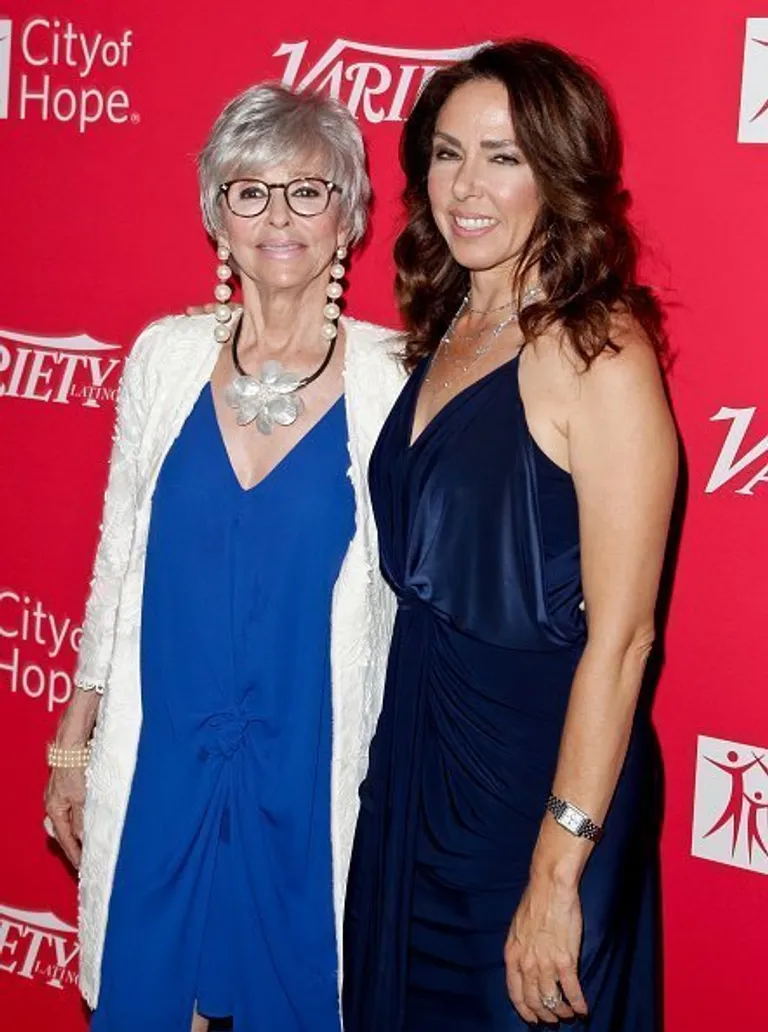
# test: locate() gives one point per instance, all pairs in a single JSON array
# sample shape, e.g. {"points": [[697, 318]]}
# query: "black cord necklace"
{"points": [[303, 382]]}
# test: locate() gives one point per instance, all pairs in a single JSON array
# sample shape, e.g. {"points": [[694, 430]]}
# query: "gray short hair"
{"points": [[270, 123]]}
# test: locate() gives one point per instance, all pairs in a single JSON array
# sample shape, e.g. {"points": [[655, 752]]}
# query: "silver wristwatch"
{"points": [[573, 819]]}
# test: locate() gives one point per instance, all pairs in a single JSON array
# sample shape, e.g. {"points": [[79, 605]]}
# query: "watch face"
{"points": [[572, 819]]}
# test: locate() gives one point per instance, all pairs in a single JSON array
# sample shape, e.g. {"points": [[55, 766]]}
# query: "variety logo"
{"points": [[38, 945], [64, 74], [730, 823], [730, 463], [37, 649], [378, 84], [58, 369], [753, 116]]}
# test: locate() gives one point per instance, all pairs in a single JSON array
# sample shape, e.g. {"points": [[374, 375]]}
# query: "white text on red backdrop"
{"points": [[58, 369], [377, 83], [38, 945], [734, 459], [37, 650], [61, 72]]}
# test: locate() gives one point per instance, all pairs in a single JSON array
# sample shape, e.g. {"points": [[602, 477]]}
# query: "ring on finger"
{"points": [[552, 1000]]}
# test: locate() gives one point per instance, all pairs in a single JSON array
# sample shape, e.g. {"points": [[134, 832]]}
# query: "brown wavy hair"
{"points": [[582, 242]]}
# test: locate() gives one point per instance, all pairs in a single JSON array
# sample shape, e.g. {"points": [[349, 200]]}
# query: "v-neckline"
{"points": [[412, 441], [272, 472]]}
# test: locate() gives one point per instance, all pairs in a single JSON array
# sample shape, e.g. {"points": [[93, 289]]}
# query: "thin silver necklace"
{"points": [[489, 311], [463, 363], [494, 331]]}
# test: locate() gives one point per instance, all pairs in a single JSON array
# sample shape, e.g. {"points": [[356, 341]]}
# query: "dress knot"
{"points": [[226, 731]]}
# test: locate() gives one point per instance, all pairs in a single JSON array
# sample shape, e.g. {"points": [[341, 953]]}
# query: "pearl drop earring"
{"points": [[332, 311], [222, 293], [271, 398]]}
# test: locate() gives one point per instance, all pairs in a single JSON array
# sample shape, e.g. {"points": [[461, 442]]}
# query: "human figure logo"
{"points": [[753, 116], [6, 27], [730, 822]]}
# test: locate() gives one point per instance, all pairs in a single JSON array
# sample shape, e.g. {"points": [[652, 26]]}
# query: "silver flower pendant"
{"points": [[269, 399]]}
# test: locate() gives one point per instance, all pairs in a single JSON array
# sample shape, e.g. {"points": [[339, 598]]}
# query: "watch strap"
{"points": [[586, 827]]}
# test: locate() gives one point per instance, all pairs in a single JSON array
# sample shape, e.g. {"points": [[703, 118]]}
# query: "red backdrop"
{"points": [[102, 109]]}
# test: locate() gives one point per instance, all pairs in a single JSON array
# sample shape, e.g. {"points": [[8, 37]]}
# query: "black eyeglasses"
{"points": [[247, 198]]}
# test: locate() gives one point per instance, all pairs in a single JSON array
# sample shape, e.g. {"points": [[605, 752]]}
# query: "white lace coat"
{"points": [[168, 367]]}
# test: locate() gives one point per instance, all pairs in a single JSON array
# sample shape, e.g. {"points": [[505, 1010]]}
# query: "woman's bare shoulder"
{"points": [[629, 359]]}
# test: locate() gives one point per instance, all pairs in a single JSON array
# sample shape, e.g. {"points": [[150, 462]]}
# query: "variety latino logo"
{"points": [[38, 945], [377, 83], [57, 369], [730, 823], [753, 116], [728, 465], [62, 73]]}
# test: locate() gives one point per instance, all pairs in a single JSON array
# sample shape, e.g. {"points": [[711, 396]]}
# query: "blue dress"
{"points": [[479, 538], [223, 892]]}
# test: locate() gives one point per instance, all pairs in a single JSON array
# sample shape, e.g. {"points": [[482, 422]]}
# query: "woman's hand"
{"points": [[65, 794], [64, 801], [542, 952], [208, 309]]}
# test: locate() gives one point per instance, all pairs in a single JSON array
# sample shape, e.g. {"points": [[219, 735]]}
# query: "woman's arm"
{"points": [[65, 793], [623, 457], [119, 515]]}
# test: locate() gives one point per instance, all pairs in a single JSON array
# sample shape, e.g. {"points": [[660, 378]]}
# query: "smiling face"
{"points": [[278, 249], [482, 191]]}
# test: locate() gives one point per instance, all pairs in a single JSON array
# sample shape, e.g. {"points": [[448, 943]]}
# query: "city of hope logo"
{"points": [[58, 369], [730, 823], [58, 74], [730, 464], [38, 648], [753, 113], [376, 83], [38, 945]]}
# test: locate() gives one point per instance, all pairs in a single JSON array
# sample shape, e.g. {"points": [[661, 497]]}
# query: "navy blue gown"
{"points": [[223, 891], [479, 538]]}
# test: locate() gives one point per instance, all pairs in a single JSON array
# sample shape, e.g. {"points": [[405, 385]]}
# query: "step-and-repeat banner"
{"points": [[102, 110]]}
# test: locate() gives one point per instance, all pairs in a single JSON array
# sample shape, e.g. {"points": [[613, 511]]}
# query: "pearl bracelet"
{"points": [[68, 758]]}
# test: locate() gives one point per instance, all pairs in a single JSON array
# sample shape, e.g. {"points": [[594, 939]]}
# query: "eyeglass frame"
{"points": [[328, 183]]}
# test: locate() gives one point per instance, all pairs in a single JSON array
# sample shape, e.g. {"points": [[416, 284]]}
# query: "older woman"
{"points": [[522, 487], [236, 629]]}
